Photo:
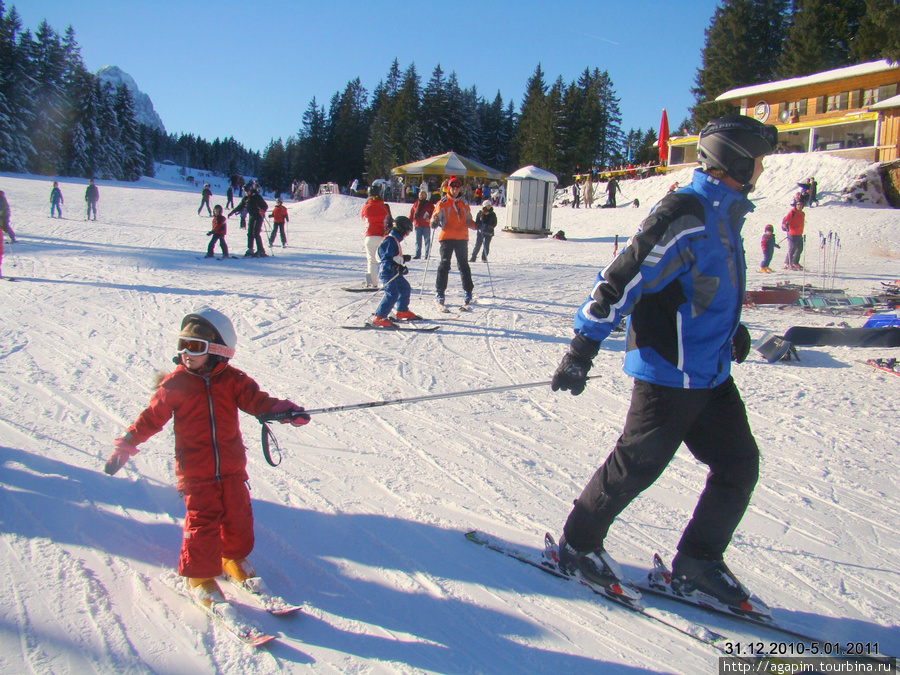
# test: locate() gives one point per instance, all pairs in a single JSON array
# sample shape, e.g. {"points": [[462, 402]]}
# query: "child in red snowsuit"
{"points": [[768, 245], [219, 228], [204, 394]]}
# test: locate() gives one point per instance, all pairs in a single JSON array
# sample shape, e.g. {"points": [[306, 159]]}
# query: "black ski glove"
{"points": [[406, 257], [740, 344], [209, 233], [571, 374], [402, 270]]}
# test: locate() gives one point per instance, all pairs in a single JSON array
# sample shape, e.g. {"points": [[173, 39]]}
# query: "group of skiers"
{"points": [[386, 261], [682, 339], [252, 209], [793, 224], [91, 197], [583, 190]]}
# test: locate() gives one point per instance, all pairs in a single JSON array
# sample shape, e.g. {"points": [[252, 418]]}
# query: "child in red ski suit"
{"points": [[219, 228], [204, 394], [768, 245]]}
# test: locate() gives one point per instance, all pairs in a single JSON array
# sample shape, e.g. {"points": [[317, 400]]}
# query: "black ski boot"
{"points": [[598, 570], [709, 577], [592, 567]]}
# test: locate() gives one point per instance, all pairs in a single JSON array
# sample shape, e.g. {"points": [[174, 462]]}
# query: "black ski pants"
{"points": [[713, 425], [449, 248], [254, 234], [220, 239], [276, 227]]}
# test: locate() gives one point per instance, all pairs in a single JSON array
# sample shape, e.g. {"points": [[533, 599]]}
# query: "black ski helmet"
{"points": [[373, 191], [403, 225], [733, 142]]}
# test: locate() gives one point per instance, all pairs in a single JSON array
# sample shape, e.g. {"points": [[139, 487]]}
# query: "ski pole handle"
{"points": [[282, 416]]}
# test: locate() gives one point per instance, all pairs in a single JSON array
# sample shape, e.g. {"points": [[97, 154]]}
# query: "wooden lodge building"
{"points": [[851, 112]]}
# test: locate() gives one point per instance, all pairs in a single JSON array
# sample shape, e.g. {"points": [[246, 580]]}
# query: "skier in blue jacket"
{"points": [[392, 274], [680, 281]]}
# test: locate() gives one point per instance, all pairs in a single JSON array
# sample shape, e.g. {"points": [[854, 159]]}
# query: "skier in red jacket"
{"points": [[218, 231], [204, 394], [793, 224], [377, 215]]}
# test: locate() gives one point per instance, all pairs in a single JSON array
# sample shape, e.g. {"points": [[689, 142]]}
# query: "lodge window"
{"points": [[791, 109], [870, 96], [836, 102], [887, 91]]}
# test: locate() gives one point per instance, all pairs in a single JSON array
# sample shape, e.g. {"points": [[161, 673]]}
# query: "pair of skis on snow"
{"points": [[228, 615], [413, 325], [628, 594]]}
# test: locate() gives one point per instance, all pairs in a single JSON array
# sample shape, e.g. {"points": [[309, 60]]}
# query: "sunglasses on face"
{"points": [[455, 185]]}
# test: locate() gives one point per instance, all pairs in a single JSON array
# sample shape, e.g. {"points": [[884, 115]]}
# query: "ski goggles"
{"points": [[455, 184], [199, 347]]}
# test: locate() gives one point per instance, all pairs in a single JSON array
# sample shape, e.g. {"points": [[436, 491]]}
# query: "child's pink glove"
{"points": [[295, 414], [117, 460]]}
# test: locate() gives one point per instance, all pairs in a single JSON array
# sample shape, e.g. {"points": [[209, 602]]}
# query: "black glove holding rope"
{"points": [[571, 374]]}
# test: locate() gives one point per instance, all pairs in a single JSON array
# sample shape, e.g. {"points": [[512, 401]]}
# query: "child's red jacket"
{"points": [[280, 214], [219, 227], [208, 442]]}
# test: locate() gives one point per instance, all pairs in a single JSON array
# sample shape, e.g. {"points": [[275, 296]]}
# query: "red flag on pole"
{"points": [[664, 138]]}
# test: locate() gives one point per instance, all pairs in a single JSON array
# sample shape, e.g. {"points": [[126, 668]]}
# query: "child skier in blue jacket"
{"points": [[391, 271]]}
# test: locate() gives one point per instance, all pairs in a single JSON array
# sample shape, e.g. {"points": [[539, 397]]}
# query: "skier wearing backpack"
{"points": [[680, 281], [204, 394]]}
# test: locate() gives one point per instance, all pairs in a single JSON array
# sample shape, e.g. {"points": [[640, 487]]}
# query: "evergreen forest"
{"points": [[57, 118]]}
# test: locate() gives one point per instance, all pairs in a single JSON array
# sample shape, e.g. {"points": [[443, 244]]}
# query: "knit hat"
{"points": [[486, 203]]}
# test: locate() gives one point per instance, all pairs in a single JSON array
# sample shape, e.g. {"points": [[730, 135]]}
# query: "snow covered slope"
{"points": [[364, 519]]}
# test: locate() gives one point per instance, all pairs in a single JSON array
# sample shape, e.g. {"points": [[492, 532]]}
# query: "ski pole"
{"points": [[490, 277], [267, 230], [837, 248], [427, 261], [267, 434], [367, 300], [414, 399]]}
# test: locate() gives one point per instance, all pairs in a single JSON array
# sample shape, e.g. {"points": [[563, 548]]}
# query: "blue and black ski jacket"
{"points": [[680, 281]]}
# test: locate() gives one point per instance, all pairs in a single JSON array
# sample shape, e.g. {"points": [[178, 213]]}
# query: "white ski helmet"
{"points": [[221, 326]]}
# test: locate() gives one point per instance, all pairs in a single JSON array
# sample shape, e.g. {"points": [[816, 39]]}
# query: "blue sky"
{"points": [[249, 69]]}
